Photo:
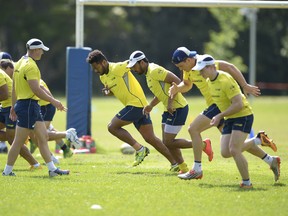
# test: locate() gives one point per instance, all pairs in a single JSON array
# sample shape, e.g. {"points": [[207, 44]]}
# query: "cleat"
{"points": [[183, 168], [58, 172], [139, 156], [33, 146], [192, 174], [33, 168], [10, 174], [208, 149], [266, 141], [175, 168], [275, 167], [71, 135], [67, 153], [245, 186]]}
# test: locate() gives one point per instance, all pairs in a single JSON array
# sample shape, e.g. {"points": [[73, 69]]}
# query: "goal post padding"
{"points": [[78, 90]]}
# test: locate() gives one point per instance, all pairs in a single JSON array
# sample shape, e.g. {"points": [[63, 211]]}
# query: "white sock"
{"points": [[51, 166], [141, 149], [197, 166], [246, 182], [268, 159], [36, 165], [257, 141], [8, 169]]}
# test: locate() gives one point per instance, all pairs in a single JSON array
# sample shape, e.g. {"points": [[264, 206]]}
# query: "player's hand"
{"points": [[251, 89], [215, 120], [12, 115], [173, 90], [59, 105], [147, 109]]}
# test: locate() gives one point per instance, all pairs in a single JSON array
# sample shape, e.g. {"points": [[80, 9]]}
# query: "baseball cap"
{"points": [[135, 57], [203, 61], [5, 55], [181, 53], [35, 43]]}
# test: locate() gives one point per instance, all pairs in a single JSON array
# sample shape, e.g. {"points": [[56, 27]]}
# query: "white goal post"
{"points": [[79, 34]]}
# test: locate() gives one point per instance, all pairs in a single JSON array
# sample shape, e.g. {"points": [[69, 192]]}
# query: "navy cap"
{"points": [[5, 55], [181, 53]]}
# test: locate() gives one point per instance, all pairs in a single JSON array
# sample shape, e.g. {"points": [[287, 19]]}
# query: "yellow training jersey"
{"points": [[43, 102], [223, 89], [25, 69], [196, 78], [124, 85], [155, 80], [6, 80]]}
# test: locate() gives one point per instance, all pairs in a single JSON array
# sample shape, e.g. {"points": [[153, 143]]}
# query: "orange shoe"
{"points": [[266, 141], [208, 149]]}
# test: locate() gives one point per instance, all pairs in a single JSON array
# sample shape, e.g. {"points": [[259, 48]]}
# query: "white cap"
{"points": [[35, 43], [135, 57], [203, 61]]}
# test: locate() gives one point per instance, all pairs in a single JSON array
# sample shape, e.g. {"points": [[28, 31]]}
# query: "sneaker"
{"points": [[71, 135], [183, 168], [10, 174], [245, 186], [67, 153], [58, 172], [139, 157], [265, 141], [275, 167], [175, 168], [33, 168], [33, 146], [192, 174], [208, 149]]}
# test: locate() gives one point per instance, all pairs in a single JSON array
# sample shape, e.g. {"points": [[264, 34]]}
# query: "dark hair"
{"points": [[5, 63], [95, 56], [144, 59]]}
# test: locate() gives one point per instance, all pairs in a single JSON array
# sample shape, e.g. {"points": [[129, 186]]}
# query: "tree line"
{"points": [[118, 31]]}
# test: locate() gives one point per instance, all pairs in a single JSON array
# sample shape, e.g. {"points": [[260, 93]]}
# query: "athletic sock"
{"points": [[36, 165], [141, 149], [8, 169], [51, 166], [246, 182], [197, 166], [257, 141], [268, 159]]}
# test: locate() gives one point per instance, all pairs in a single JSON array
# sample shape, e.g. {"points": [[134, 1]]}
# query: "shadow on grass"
{"points": [[234, 187], [144, 173]]}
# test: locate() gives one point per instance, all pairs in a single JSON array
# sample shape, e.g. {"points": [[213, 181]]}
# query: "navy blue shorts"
{"points": [[178, 117], [135, 115], [4, 118], [212, 111], [48, 111], [28, 112], [242, 123]]}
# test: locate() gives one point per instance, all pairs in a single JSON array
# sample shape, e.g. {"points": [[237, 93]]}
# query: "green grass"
{"points": [[107, 178]]}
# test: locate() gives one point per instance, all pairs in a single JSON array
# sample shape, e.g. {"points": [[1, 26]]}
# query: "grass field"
{"points": [[108, 180]]}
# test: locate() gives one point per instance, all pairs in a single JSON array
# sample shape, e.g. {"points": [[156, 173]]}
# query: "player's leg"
{"points": [[21, 135], [147, 132]]}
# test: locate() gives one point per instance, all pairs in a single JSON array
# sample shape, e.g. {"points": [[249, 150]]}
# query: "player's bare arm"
{"points": [[4, 93], [182, 87], [39, 92], [238, 76], [147, 109], [236, 106]]}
